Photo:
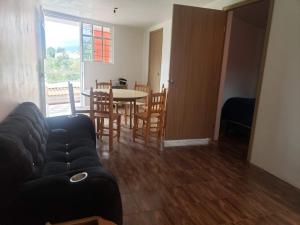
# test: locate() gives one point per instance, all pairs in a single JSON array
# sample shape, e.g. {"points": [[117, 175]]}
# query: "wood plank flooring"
{"points": [[200, 185]]}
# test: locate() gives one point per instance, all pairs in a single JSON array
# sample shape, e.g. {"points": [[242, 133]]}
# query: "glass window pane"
{"points": [[87, 48], [107, 49], [87, 56], [87, 40], [106, 55], [98, 49], [87, 29], [97, 31], [107, 42], [97, 57], [106, 32], [96, 43]]}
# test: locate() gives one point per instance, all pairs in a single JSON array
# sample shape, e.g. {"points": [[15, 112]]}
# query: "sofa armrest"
{"points": [[56, 199], [72, 124]]}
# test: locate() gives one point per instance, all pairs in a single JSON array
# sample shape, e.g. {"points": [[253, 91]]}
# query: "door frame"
{"points": [[64, 17], [41, 58], [162, 32], [261, 70]]}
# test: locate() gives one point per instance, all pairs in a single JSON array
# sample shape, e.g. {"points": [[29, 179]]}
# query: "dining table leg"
{"points": [[131, 113], [134, 108]]}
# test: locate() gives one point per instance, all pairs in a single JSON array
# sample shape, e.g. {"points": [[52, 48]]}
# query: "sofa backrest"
{"points": [[23, 139]]}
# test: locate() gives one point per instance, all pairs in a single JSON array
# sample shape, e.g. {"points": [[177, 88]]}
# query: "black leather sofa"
{"points": [[38, 156], [237, 114]]}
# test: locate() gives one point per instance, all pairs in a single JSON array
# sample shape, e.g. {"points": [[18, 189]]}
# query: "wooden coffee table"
{"points": [[86, 221]]}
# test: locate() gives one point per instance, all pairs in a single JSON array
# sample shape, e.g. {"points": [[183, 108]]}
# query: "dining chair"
{"points": [[140, 103], [106, 85], [152, 118], [101, 107], [76, 110], [103, 85]]}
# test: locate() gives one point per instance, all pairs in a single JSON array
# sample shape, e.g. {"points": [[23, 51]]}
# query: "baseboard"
{"points": [[186, 142]]}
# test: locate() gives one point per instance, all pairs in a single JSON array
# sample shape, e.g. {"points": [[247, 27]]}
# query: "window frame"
{"points": [[111, 27]]}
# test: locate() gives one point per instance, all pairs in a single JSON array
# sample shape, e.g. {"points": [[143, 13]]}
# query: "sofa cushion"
{"points": [[69, 149], [16, 163], [24, 136], [63, 161]]}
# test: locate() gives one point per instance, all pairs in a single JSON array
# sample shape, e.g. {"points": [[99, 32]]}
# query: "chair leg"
{"points": [[98, 124], [110, 134], [159, 136], [119, 128], [135, 127], [125, 113], [160, 125], [101, 126], [147, 133]]}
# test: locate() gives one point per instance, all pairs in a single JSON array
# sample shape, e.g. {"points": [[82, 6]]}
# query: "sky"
{"points": [[62, 35]]}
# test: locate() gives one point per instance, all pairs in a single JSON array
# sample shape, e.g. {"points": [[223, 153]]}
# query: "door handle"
{"points": [[171, 81]]}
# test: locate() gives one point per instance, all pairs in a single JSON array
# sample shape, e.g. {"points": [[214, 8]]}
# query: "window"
{"points": [[97, 43]]}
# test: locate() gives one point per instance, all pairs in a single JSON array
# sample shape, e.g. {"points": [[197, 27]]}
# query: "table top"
{"points": [[121, 94]]}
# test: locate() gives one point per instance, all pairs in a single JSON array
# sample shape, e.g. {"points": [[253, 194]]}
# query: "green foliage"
{"points": [[51, 52], [59, 67], [60, 50]]}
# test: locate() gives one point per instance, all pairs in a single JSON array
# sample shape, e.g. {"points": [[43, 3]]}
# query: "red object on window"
{"points": [[97, 31], [102, 44], [98, 49], [106, 54], [106, 34]]}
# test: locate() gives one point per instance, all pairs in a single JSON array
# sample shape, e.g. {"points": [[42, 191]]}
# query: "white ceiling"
{"points": [[140, 13]]}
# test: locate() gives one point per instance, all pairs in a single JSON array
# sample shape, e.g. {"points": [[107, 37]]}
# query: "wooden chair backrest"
{"points": [[71, 98], [144, 88], [157, 102], [101, 102], [103, 85], [141, 87]]}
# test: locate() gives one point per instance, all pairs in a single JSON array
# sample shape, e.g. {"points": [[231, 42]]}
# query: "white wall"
{"points": [[244, 59], [276, 142], [276, 146], [166, 51], [128, 59], [19, 80]]}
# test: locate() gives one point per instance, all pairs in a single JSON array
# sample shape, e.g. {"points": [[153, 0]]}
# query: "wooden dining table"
{"points": [[122, 95]]}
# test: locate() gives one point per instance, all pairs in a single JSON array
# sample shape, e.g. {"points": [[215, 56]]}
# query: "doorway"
{"points": [[245, 41], [62, 64], [155, 56]]}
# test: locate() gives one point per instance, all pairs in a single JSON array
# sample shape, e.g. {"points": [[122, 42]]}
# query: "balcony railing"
{"points": [[58, 93]]}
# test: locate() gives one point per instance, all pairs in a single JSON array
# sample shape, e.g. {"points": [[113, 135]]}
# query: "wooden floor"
{"points": [[208, 185]]}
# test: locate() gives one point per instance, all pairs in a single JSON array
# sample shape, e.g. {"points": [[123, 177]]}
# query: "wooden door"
{"points": [[196, 58], [155, 54]]}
